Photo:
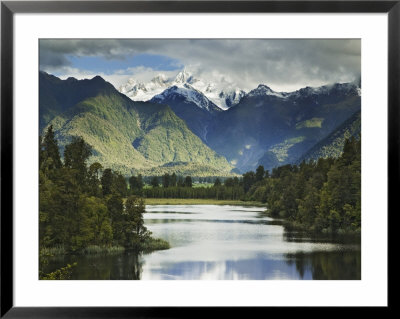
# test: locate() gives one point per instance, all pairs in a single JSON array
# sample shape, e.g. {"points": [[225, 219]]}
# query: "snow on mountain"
{"points": [[189, 93], [231, 97], [262, 90], [184, 77], [337, 89], [333, 90], [223, 94], [139, 91]]}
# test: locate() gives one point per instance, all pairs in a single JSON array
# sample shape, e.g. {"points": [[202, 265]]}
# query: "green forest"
{"points": [[88, 209], [83, 209], [322, 195]]}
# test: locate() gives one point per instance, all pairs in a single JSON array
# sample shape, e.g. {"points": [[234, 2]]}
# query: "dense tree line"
{"points": [[81, 205], [173, 186], [221, 192], [323, 195], [195, 179]]}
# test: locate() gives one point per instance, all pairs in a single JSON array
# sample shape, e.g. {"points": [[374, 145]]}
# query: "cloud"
{"points": [[282, 64], [118, 78]]}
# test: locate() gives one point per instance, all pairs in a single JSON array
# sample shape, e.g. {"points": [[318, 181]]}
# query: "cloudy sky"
{"points": [[284, 65]]}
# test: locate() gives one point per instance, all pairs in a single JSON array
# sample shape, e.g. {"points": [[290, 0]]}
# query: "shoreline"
{"points": [[150, 245], [292, 225], [200, 201]]}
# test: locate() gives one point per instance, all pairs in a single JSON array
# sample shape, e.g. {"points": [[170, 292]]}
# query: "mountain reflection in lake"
{"points": [[224, 242]]}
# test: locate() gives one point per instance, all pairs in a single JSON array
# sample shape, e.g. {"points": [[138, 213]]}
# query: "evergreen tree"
{"points": [[228, 182], [75, 156], [249, 179], [120, 184], [165, 180], [136, 184], [180, 182], [107, 181], [49, 154], [173, 180], [188, 181], [115, 207], [140, 183], [94, 179], [154, 182], [136, 232], [260, 173], [95, 170], [217, 182]]}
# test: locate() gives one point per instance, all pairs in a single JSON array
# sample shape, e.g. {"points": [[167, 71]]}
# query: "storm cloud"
{"points": [[282, 64]]}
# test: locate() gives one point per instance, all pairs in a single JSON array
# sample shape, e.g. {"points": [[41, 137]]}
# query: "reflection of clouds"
{"points": [[247, 269], [226, 260], [204, 212], [221, 242], [226, 250]]}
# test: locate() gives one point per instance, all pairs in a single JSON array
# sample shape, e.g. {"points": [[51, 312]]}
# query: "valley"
{"points": [[181, 130], [192, 159]]}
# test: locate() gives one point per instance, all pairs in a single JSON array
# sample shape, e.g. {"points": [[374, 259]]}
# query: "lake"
{"points": [[211, 242]]}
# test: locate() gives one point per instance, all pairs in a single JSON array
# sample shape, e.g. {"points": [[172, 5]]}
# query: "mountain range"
{"points": [[183, 128], [280, 126], [131, 137], [222, 93]]}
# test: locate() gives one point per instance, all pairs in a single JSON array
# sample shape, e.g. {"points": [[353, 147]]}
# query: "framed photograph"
{"points": [[162, 155]]}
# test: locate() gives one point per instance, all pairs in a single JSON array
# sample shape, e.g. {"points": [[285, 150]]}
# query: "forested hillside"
{"points": [[125, 135], [332, 145], [323, 195], [182, 131]]}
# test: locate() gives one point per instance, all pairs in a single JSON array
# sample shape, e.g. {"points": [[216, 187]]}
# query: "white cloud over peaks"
{"points": [[283, 65]]}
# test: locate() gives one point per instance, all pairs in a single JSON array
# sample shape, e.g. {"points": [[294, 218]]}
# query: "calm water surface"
{"points": [[224, 242]]}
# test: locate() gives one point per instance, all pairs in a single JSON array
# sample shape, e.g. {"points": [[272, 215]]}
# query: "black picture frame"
{"points": [[9, 8]]}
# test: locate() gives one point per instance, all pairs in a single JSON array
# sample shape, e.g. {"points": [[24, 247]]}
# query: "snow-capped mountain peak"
{"points": [[332, 89], [263, 90], [222, 94], [183, 77], [230, 97], [139, 91], [189, 94]]}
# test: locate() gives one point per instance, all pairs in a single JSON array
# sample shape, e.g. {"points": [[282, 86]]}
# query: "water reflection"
{"points": [[344, 265], [127, 266], [225, 242]]}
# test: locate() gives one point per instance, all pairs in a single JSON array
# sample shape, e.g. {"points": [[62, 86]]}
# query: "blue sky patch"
{"points": [[109, 66]]}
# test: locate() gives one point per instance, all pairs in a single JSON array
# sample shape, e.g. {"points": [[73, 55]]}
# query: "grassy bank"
{"points": [[99, 250], [150, 244], [89, 250], [153, 244], [195, 201]]}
